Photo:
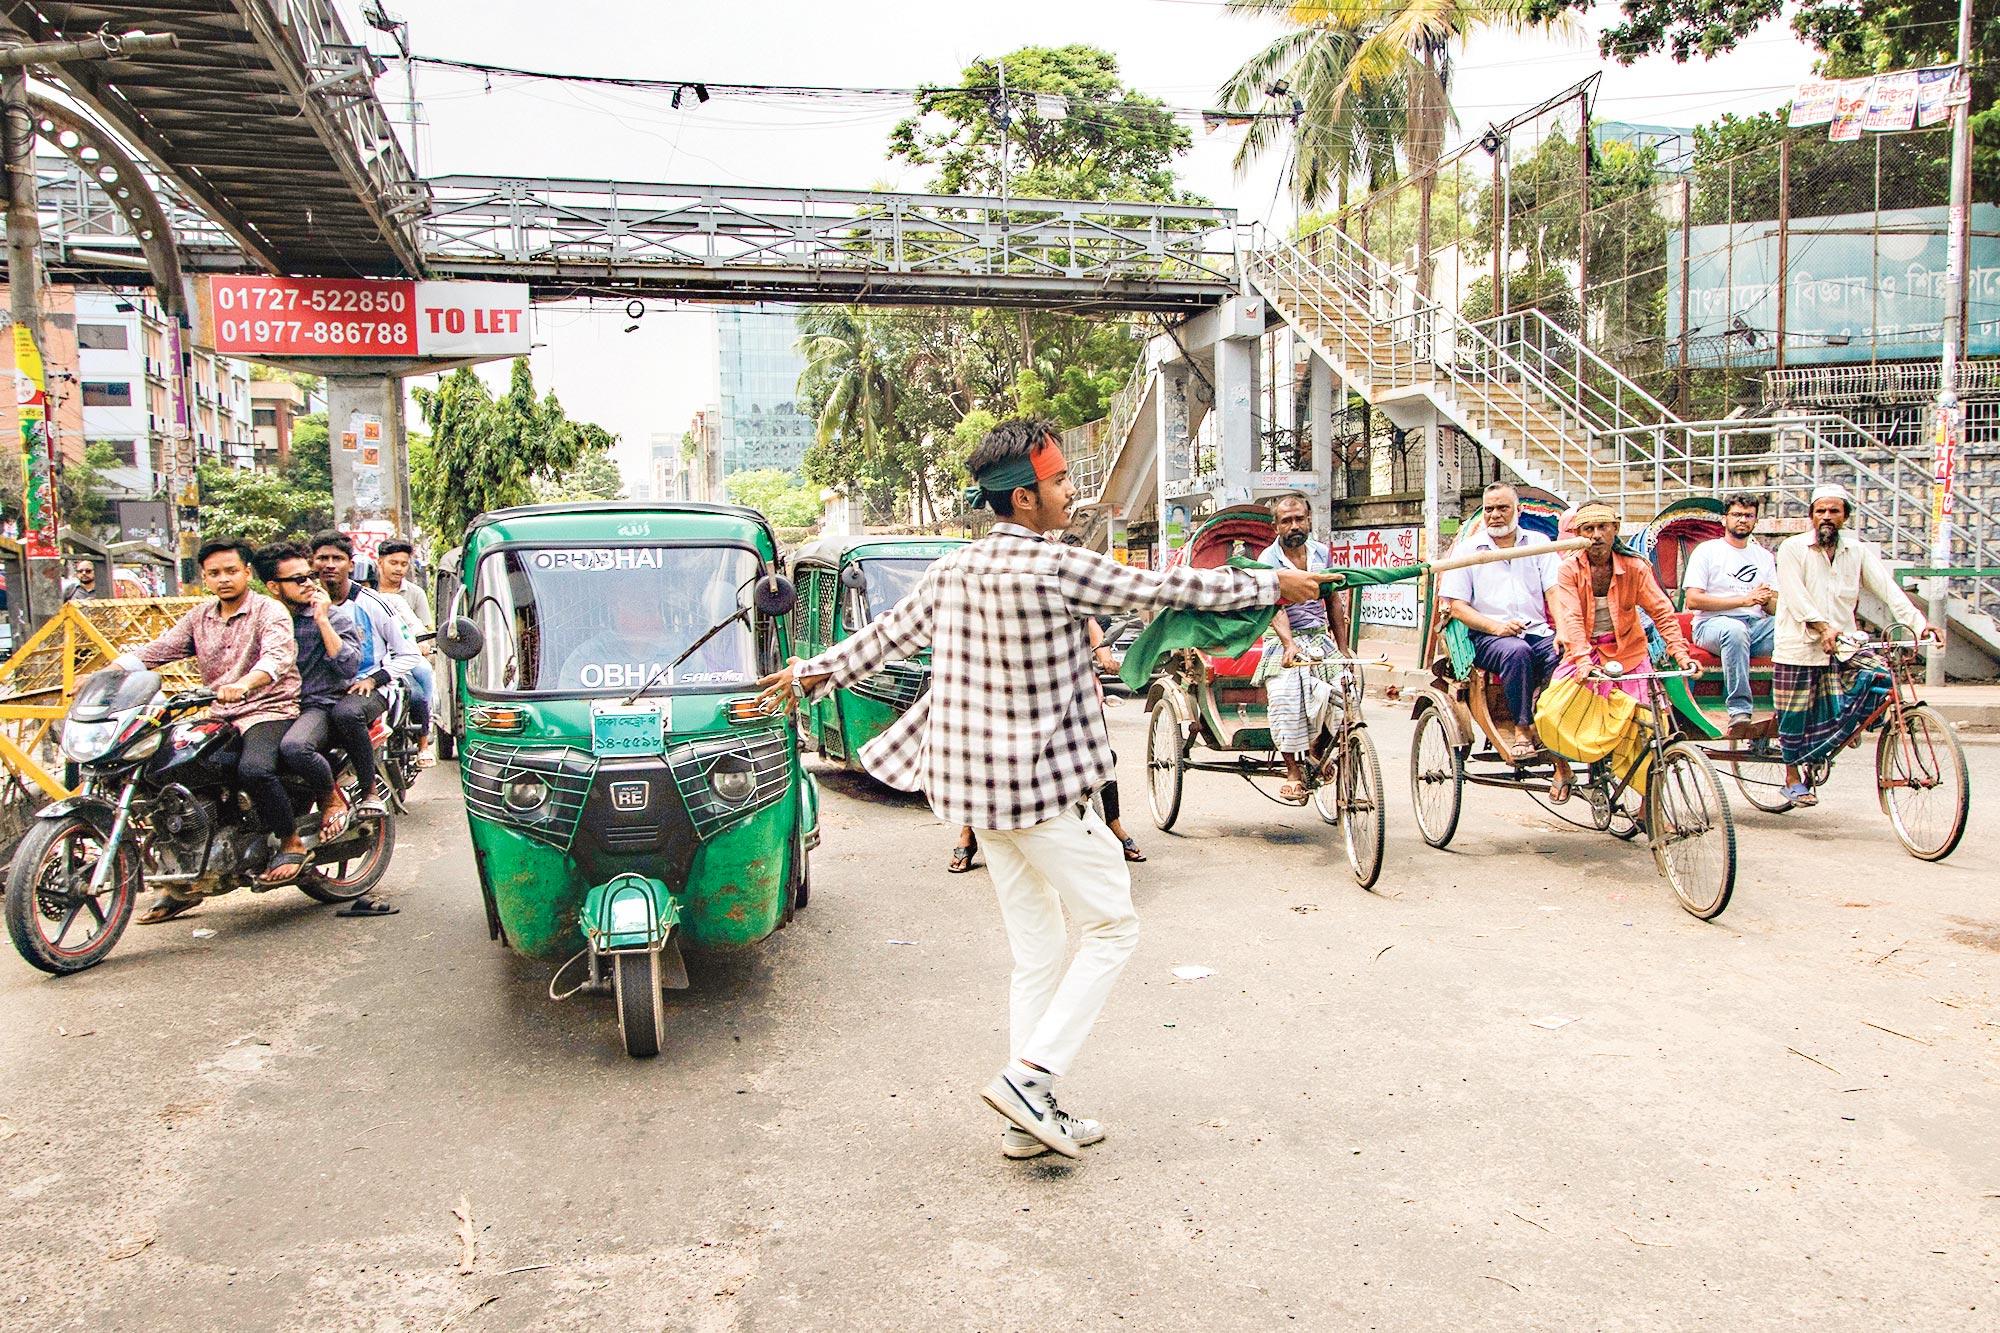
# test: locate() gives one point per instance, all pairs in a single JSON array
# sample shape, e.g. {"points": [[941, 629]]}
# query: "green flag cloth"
{"points": [[1226, 633]]}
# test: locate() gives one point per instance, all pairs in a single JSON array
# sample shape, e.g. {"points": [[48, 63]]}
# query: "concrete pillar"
{"points": [[1170, 440], [371, 467], [1236, 419], [1319, 422], [1433, 481]]}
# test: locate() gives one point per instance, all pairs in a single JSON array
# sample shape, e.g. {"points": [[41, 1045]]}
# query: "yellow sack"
{"points": [[1580, 724]]}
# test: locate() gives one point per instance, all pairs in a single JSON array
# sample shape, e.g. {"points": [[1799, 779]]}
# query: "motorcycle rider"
{"points": [[243, 644], [385, 656], [406, 598]]}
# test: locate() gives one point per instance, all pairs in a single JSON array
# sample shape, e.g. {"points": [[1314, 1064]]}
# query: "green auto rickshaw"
{"points": [[843, 583], [625, 794]]}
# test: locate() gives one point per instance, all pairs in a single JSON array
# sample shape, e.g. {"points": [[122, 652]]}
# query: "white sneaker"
{"points": [[1018, 1143], [1027, 1098]]}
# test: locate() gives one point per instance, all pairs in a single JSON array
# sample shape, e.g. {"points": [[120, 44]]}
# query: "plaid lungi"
{"points": [[1820, 707], [1297, 696]]}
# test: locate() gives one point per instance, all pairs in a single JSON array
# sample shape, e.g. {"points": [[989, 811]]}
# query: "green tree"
{"points": [[310, 467], [779, 495], [595, 477], [487, 453], [258, 507], [1856, 37], [1072, 129]]}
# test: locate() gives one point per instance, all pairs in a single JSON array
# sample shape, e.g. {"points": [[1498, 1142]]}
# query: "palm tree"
{"points": [[847, 353], [1400, 57], [1337, 137]]}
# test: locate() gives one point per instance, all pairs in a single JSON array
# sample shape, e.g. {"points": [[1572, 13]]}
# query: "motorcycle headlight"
{"points": [[526, 794], [85, 741], [733, 779]]}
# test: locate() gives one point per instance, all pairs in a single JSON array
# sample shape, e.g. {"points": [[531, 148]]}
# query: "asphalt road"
{"points": [[1516, 1087]]}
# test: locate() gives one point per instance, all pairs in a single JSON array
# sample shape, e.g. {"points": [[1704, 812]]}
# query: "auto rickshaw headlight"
{"points": [[734, 780], [526, 794]]}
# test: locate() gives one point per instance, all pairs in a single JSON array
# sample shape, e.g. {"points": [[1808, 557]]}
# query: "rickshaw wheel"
{"points": [[1694, 837], [1437, 778], [1166, 765], [1364, 819], [642, 1017], [1932, 792], [1766, 794]]}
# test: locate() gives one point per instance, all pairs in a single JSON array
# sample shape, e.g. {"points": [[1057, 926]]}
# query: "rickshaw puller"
{"points": [[1304, 630], [1595, 600], [1821, 699], [1011, 740]]}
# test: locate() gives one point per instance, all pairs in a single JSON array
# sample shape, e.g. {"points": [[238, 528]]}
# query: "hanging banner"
{"points": [[1850, 104], [1813, 103], [1934, 96], [41, 525], [260, 316], [1892, 104]]}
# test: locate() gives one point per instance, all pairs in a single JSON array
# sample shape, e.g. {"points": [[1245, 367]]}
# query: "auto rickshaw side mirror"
{"points": [[460, 639], [775, 596], [853, 577]]}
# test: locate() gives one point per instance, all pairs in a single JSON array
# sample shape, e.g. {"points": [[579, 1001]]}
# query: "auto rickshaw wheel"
{"points": [[642, 1012]]}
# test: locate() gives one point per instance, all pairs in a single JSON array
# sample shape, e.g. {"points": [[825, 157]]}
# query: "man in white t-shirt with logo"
{"points": [[1731, 584]]}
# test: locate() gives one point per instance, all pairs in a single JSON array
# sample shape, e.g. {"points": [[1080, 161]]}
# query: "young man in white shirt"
{"points": [[1731, 584]]}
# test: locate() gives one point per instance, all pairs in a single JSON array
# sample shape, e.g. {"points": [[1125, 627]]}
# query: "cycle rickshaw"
{"points": [[1213, 702], [1459, 740], [1920, 772]]}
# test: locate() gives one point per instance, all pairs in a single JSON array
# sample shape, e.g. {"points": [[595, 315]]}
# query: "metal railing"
{"points": [[1369, 317], [856, 244]]}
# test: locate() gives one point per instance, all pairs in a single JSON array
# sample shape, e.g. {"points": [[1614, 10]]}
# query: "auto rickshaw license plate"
{"points": [[626, 729]]}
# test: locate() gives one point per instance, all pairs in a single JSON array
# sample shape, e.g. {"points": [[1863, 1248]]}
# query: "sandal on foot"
{"points": [[961, 859], [1560, 787], [366, 906], [1798, 793], [1293, 793], [1132, 852], [275, 876], [336, 823], [165, 908]]}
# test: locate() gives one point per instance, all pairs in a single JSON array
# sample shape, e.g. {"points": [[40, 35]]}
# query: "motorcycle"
{"points": [[158, 805]]}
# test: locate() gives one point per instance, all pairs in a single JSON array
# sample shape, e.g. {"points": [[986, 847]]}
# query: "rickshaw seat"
{"points": [[1706, 660], [1241, 667]]}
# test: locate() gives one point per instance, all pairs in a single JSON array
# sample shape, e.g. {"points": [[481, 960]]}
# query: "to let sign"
{"points": [[255, 316]]}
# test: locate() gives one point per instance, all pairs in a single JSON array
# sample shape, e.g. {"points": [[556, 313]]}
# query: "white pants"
{"points": [[1070, 861]]}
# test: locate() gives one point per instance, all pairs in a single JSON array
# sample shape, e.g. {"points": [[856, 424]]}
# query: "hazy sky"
{"points": [[654, 379]]}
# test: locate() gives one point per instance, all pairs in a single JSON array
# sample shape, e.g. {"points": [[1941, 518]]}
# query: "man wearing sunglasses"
{"points": [[329, 643]]}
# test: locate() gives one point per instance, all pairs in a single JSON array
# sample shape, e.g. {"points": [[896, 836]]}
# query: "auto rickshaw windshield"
{"points": [[606, 619], [889, 581]]}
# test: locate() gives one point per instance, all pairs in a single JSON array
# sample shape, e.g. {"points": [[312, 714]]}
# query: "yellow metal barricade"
{"points": [[39, 680]]}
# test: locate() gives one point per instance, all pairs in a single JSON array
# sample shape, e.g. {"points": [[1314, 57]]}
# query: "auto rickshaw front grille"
{"points": [[692, 763], [487, 769], [899, 684]]}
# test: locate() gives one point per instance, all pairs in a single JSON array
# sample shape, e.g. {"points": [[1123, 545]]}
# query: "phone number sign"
{"points": [[257, 316]]}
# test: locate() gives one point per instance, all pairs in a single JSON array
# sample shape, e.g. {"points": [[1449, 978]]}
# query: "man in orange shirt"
{"points": [[1595, 603]]}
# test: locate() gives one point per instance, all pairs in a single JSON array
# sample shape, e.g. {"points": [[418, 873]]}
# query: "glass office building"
{"points": [[759, 364]]}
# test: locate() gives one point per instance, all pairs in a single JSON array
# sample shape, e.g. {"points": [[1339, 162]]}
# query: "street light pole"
{"points": [[1948, 408], [41, 523]]}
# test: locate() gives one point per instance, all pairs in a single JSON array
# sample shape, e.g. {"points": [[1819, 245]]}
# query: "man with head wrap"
{"points": [[1595, 602], [1822, 685]]}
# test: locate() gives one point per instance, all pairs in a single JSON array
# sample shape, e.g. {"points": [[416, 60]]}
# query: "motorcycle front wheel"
{"points": [[56, 922]]}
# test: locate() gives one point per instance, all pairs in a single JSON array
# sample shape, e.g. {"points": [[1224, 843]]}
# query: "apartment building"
{"points": [[107, 357]]}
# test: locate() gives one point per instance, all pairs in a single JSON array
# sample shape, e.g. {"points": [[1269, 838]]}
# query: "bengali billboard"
{"points": [[1859, 287]]}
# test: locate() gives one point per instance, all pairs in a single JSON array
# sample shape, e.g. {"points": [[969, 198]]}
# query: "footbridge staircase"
{"points": [[1559, 416]]}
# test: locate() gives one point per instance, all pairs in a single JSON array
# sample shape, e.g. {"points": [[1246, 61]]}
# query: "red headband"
{"points": [[1048, 459]]}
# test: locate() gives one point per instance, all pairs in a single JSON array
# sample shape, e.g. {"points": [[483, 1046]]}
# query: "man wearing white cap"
{"points": [[1822, 689]]}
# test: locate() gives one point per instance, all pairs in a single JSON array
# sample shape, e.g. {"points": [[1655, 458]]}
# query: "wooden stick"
{"points": [[1491, 557]]}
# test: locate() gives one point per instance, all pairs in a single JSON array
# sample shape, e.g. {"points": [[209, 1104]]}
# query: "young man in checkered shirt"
{"points": [[1010, 739]]}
